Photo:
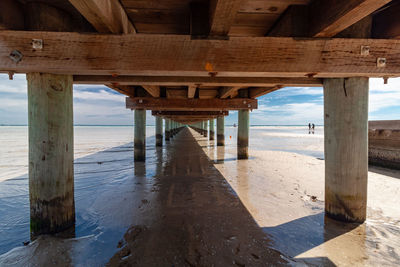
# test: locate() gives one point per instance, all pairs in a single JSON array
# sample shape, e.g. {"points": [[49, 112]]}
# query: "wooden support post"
{"points": [[220, 131], [212, 134], [159, 135], [205, 125], [243, 134], [51, 153], [140, 135], [346, 148], [167, 132]]}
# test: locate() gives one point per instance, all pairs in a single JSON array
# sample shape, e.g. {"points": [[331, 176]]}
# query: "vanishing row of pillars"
{"points": [[51, 168]]}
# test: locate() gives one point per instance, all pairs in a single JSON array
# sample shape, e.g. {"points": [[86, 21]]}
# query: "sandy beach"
{"points": [[269, 209]]}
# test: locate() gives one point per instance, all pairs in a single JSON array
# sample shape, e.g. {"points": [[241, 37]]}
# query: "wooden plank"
{"points": [[222, 16], [228, 91], [194, 82], [270, 6], [123, 89], [11, 15], [106, 16], [208, 93], [153, 90], [191, 91], [189, 113], [176, 93], [134, 54], [387, 23], [257, 92], [215, 104], [330, 17]]}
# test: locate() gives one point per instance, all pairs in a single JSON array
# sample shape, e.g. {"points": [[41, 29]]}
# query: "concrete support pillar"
{"points": [[212, 134], [221, 131], [346, 148], [140, 135], [159, 128], [167, 132], [205, 125], [51, 153], [243, 134]]}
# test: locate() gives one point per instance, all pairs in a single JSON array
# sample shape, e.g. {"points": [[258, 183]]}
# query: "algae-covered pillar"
{"points": [[159, 128], [221, 131], [51, 153], [51, 138], [167, 132], [346, 148], [140, 135], [243, 134], [212, 129]]}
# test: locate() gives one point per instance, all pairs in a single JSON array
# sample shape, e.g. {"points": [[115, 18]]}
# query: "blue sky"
{"points": [[98, 105]]}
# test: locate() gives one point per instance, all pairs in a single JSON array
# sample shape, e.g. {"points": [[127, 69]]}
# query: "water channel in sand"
{"points": [[275, 189]]}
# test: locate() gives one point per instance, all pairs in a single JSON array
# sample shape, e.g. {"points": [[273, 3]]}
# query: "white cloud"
{"points": [[98, 95]]}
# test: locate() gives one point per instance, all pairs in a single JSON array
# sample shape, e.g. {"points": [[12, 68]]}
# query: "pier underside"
{"points": [[191, 62]]}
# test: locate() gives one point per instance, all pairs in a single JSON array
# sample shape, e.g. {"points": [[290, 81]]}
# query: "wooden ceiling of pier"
{"points": [[204, 49]]}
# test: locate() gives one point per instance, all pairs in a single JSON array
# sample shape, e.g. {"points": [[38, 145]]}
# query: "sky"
{"points": [[98, 105]]}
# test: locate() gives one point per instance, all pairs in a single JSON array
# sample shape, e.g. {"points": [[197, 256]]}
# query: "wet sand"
{"points": [[194, 204]]}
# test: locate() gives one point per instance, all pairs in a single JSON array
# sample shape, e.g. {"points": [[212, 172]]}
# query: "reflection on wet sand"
{"points": [[201, 222], [284, 194]]}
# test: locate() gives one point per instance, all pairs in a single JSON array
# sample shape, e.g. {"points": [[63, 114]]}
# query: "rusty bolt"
{"points": [[381, 62], [244, 102], [37, 44], [364, 50], [16, 56]]}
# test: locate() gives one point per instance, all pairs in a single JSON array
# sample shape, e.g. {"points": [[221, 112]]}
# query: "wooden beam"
{"points": [[11, 15], [216, 104], [323, 18], [386, 24], [178, 55], [191, 91], [193, 82], [228, 91], [189, 113], [222, 16], [123, 89], [154, 91], [257, 92], [106, 16], [330, 17]]}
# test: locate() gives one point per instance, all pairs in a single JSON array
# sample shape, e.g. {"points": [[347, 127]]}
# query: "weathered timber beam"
{"points": [[257, 92], [11, 15], [193, 82], [134, 54], [324, 18], [154, 91], [106, 16], [191, 91], [329, 17], [387, 23], [228, 91], [222, 15], [123, 89], [190, 113], [162, 104]]}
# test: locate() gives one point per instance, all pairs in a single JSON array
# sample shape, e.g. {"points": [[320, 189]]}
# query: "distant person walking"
{"points": [[309, 128], [313, 128]]}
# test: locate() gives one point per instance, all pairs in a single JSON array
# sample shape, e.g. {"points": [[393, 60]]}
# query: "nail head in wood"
{"points": [[37, 44], [16, 56], [381, 62], [365, 50]]}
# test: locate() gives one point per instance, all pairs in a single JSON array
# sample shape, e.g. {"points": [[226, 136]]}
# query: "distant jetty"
{"points": [[384, 143]]}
